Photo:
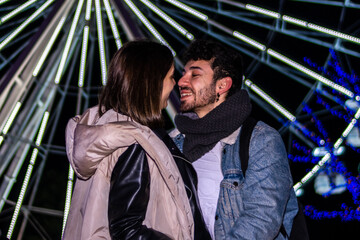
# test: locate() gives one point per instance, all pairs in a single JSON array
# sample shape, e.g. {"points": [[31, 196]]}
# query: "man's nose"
{"points": [[183, 81]]}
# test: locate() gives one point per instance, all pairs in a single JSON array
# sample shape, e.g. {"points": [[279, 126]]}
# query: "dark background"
{"points": [[276, 79]]}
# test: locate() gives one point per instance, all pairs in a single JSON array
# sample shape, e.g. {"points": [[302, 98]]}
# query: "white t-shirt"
{"points": [[208, 169]]}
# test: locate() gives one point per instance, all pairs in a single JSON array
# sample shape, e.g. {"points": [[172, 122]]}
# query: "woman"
{"points": [[129, 185]]}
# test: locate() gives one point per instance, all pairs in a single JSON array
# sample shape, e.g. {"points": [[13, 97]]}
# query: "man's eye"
{"points": [[195, 75]]}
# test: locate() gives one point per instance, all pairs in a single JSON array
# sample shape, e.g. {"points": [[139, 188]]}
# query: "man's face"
{"points": [[197, 88]]}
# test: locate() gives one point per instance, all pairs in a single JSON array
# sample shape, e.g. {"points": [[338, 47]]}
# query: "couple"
{"points": [[135, 182]]}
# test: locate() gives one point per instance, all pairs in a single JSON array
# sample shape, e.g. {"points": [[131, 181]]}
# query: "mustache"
{"points": [[185, 88]]}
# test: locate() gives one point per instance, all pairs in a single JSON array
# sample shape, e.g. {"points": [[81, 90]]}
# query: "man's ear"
{"points": [[223, 85]]}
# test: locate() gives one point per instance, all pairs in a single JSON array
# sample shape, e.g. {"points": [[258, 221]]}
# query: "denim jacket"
{"points": [[255, 206]]}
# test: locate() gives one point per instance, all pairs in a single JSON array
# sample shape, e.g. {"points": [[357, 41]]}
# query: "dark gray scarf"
{"points": [[202, 134]]}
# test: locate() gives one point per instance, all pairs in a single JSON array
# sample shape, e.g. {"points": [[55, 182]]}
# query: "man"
{"points": [[213, 109]]}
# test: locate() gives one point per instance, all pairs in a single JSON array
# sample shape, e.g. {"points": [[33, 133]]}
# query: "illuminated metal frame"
{"points": [[28, 174], [24, 24], [16, 11], [100, 33], [49, 46], [168, 19], [68, 42], [113, 26], [148, 25]]}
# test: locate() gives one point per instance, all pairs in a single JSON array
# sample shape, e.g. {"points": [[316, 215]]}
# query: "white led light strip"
{"points": [[310, 73], [24, 24], [262, 11], [11, 118], [42, 129], [68, 42], [3, 1], [349, 128], [148, 25], [16, 11], [338, 143], [189, 9], [114, 29], [49, 46], [83, 56], [22, 192], [88, 10], [101, 41], [249, 40], [313, 171], [168, 19], [68, 197], [357, 114], [294, 20], [271, 101], [84, 45], [322, 29], [28, 174]]}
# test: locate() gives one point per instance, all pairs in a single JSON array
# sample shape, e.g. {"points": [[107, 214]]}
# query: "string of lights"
{"points": [[334, 112], [303, 159], [300, 147], [347, 214], [353, 183], [318, 123]]}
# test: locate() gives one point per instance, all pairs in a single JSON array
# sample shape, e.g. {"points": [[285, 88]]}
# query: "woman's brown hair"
{"points": [[135, 81]]}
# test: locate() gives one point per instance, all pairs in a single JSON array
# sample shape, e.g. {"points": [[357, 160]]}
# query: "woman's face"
{"points": [[168, 85]]}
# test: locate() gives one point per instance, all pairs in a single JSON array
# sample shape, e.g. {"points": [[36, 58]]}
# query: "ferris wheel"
{"points": [[301, 64]]}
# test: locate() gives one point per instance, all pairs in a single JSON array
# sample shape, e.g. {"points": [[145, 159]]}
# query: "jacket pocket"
{"points": [[230, 201]]}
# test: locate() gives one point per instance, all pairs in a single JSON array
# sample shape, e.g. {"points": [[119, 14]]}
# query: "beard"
{"points": [[202, 98]]}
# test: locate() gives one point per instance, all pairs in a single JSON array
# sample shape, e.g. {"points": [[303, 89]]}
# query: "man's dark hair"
{"points": [[224, 61]]}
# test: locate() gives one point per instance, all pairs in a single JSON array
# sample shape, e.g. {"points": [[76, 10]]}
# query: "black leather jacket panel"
{"points": [[130, 189]]}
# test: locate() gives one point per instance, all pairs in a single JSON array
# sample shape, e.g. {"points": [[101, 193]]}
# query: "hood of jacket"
{"points": [[90, 139]]}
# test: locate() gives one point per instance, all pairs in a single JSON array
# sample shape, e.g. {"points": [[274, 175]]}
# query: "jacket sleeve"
{"points": [[129, 197], [266, 188]]}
